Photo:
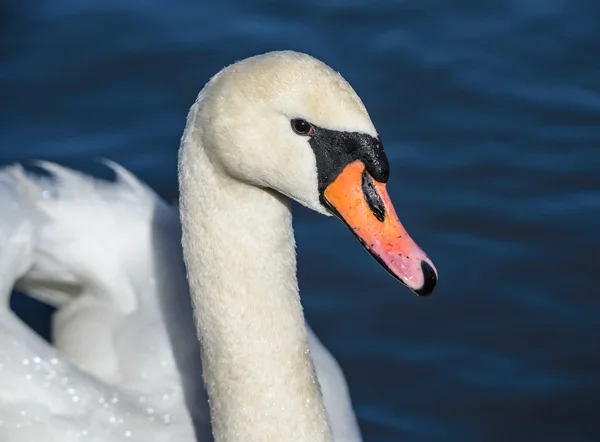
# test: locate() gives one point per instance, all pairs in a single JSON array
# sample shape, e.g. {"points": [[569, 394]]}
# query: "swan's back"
{"points": [[87, 229], [87, 247]]}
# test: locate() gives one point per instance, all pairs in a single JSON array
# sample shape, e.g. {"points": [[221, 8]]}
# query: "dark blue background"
{"points": [[490, 115]]}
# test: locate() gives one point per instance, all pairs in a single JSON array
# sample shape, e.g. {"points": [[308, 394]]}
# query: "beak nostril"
{"points": [[372, 197], [429, 279]]}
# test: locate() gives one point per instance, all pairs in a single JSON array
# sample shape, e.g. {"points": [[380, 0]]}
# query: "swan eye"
{"points": [[302, 127]]}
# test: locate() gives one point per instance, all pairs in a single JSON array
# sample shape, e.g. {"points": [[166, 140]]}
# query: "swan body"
{"points": [[264, 131], [60, 239], [113, 373]]}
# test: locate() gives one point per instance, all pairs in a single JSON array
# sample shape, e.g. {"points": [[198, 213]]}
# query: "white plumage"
{"points": [[108, 256]]}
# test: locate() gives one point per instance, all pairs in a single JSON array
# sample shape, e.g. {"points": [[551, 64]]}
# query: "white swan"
{"points": [[277, 126]]}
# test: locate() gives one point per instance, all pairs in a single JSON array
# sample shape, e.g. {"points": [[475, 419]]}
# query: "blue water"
{"points": [[490, 115]]}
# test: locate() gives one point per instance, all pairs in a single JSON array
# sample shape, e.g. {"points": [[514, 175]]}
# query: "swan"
{"points": [[264, 131]]}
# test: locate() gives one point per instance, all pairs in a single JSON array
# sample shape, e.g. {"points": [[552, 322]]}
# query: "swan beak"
{"points": [[365, 207]]}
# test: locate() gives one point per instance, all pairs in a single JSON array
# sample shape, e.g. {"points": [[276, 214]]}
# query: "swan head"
{"points": [[288, 122]]}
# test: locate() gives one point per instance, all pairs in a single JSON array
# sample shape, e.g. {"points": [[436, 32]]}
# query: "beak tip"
{"points": [[429, 280]]}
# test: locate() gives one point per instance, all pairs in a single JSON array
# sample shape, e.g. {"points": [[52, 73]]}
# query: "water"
{"points": [[489, 113]]}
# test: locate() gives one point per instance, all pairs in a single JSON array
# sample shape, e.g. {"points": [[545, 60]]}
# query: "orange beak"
{"points": [[365, 206]]}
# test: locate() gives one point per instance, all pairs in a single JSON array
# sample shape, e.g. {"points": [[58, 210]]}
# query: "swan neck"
{"points": [[240, 257]]}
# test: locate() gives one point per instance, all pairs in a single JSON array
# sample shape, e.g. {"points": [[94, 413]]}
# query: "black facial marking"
{"points": [[334, 150], [372, 197]]}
